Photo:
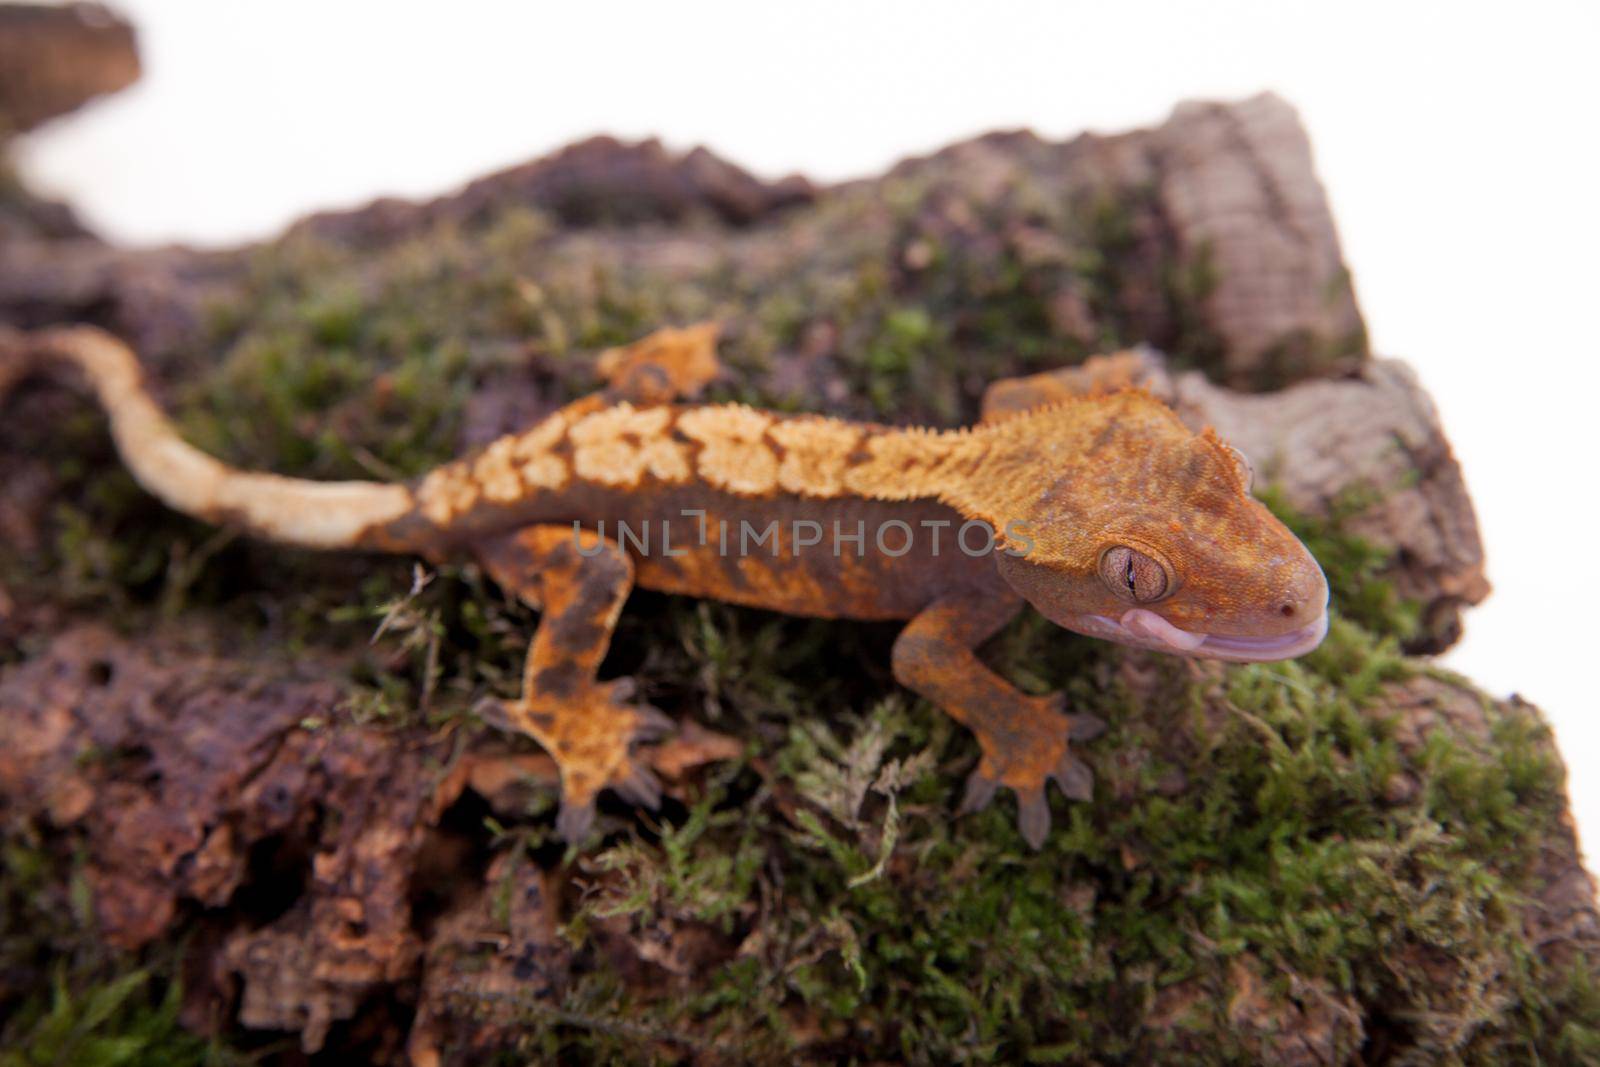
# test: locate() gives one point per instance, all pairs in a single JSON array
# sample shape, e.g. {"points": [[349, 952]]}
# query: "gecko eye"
{"points": [[1132, 575]]}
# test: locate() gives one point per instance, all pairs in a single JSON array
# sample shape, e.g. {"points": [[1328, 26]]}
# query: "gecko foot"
{"points": [[1027, 756], [590, 733]]}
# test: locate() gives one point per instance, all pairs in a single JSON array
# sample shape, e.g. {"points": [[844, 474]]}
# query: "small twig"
{"points": [[183, 567], [1274, 739], [420, 580], [534, 1008], [373, 465]]}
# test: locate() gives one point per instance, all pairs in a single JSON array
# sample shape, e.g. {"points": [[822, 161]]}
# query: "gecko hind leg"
{"points": [[579, 582], [1025, 740], [669, 364]]}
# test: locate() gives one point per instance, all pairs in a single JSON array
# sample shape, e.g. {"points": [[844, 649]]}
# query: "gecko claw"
{"points": [[1033, 807], [493, 712], [1084, 727], [638, 785], [575, 820], [1074, 777], [1033, 817], [980, 790], [1081, 726], [1026, 761], [591, 734], [652, 723]]}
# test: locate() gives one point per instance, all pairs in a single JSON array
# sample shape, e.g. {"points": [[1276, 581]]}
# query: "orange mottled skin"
{"points": [[1109, 516]]}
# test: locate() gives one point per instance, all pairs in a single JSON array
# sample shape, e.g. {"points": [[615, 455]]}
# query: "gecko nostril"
{"points": [[1287, 610]]}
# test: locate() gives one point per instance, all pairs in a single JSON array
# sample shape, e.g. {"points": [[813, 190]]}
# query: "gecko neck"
{"points": [[992, 472]]}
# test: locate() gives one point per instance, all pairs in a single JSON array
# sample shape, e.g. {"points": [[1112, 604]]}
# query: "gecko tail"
{"points": [[291, 511]]}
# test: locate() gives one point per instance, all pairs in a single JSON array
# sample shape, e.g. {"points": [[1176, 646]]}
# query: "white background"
{"points": [[1457, 142]]}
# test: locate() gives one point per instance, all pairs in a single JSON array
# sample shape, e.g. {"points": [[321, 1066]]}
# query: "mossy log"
{"points": [[253, 778]]}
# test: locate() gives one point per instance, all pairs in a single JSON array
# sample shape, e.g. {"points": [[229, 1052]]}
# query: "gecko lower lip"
{"points": [[1150, 629], [1279, 646]]}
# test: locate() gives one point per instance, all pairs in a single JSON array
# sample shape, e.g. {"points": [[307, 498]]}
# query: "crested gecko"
{"points": [[1093, 504]]}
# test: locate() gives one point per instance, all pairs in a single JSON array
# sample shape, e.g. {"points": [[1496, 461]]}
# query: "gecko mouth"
{"points": [[1145, 628]]}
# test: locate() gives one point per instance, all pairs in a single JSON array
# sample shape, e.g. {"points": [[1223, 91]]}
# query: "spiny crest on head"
{"points": [[1071, 444], [1233, 460], [1124, 398]]}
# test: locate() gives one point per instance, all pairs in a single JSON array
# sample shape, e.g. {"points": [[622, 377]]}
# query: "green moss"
{"points": [[67, 999], [688, 874], [109, 1024], [1108, 225], [1187, 286], [900, 933], [901, 347]]}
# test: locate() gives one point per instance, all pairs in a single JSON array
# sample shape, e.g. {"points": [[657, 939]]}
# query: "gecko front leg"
{"points": [[579, 582], [1095, 376], [1024, 738]]}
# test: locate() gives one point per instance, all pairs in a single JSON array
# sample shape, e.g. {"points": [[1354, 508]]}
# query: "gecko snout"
{"points": [[1306, 598]]}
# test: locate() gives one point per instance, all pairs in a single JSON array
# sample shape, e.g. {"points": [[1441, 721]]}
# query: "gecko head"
{"points": [[1153, 540]]}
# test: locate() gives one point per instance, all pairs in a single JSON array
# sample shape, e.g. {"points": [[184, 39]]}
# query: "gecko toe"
{"points": [[639, 785], [575, 820], [1084, 727], [980, 790], [493, 712], [652, 723], [1033, 817], [1074, 777]]}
